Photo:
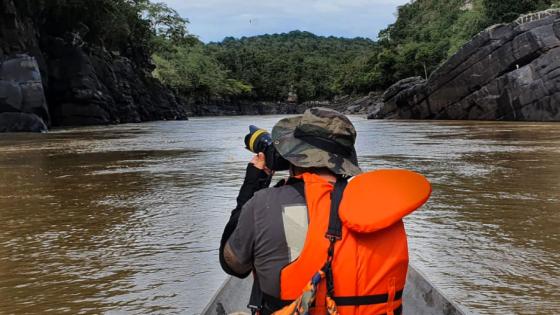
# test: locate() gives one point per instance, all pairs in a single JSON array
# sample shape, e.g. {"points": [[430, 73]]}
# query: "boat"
{"points": [[420, 297]]}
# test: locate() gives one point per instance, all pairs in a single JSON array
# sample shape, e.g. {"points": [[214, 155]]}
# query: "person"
{"points": [[290, 233]]}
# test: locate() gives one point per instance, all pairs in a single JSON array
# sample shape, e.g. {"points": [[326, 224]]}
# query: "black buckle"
{"points": [[254, 308], [333, 237], [330, 251]]}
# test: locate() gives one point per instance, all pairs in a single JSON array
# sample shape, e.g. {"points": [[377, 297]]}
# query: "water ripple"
{"points": [[127, 218]]}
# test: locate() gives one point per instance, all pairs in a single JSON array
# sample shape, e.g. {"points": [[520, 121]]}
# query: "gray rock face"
{"points": [[18, 122], [70, 82], [350, 105], [90, 86], [22, 98], [507, 72]]}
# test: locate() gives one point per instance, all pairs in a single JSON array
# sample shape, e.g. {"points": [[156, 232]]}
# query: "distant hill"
{"points": [[297, 61]]}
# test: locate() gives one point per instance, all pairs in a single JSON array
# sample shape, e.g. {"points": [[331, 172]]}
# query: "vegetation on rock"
{"points": [[428, 32]]}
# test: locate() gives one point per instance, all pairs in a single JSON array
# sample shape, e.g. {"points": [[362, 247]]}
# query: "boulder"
{"points": [[401, 86], [507, 72], [21, 93], [17, 122], [350, 105]]}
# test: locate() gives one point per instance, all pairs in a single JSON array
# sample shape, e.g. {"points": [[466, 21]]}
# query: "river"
{"points": [[127, 218]]}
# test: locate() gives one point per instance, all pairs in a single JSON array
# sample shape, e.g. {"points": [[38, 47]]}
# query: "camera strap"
{"points": [[256, 298]]}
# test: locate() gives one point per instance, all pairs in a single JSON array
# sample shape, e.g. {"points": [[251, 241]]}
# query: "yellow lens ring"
{"points": [[254, 138]]}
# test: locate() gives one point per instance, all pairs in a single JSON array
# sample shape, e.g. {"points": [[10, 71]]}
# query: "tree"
{"points": [[166, 23], [273, 63], [192, 72], [505, 11]]}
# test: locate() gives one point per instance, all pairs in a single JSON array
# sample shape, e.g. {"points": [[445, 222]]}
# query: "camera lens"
{"points": [[257, 140]]}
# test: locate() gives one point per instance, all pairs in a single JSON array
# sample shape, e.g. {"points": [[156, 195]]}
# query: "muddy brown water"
{"points": [[127, 218]]}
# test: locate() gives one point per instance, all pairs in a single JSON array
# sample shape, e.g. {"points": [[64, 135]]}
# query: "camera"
{"points": [[259, 140]]}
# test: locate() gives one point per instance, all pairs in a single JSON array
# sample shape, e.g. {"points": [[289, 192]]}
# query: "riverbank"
{"points": [[352, 105]]}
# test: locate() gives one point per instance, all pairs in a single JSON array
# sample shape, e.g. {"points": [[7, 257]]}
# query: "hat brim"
{"points": [[303, 154]]}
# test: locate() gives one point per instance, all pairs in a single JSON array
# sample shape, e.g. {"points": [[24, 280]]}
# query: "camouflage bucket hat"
{"points": [[321, 137]]}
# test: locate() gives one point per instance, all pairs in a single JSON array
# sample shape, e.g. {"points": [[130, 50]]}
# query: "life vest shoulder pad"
{"points": [[376, 200]]}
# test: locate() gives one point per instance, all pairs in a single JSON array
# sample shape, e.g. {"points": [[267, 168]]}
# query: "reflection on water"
{"points": [[127, 218]]}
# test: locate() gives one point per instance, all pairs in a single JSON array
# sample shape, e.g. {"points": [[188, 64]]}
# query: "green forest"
{"points": [[269, 67]]}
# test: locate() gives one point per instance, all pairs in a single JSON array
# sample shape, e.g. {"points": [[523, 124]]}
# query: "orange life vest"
{"points": [[371, 259]]}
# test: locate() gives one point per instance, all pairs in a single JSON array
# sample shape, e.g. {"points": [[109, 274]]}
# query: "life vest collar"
{"points": [[378, 199]]}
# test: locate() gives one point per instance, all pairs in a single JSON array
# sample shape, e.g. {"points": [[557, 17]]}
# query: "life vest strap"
{"points": [[271, 303], [334, 231], [340, 300], [365, 299]]}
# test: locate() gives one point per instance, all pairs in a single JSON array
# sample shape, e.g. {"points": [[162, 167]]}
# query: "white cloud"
{"points": [[212, 20], [325, 7]]}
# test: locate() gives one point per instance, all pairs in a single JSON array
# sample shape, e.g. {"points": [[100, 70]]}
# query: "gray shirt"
{"points": [[270, 234]]}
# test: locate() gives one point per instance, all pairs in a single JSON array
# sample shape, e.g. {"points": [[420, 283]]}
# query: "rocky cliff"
{"points": [[507, 72], [49, 77]]}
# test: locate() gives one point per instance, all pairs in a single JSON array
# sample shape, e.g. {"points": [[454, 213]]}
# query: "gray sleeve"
{"points": [[242, 241]]}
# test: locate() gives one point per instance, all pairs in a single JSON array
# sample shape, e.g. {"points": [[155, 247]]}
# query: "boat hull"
{"points": [[420, 297]]}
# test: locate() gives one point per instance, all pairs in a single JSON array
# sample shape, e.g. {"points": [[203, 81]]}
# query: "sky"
{"points": [[212, 20]]}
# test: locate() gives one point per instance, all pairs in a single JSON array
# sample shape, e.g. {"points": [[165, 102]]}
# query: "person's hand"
{"points": [[259, 161]]}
